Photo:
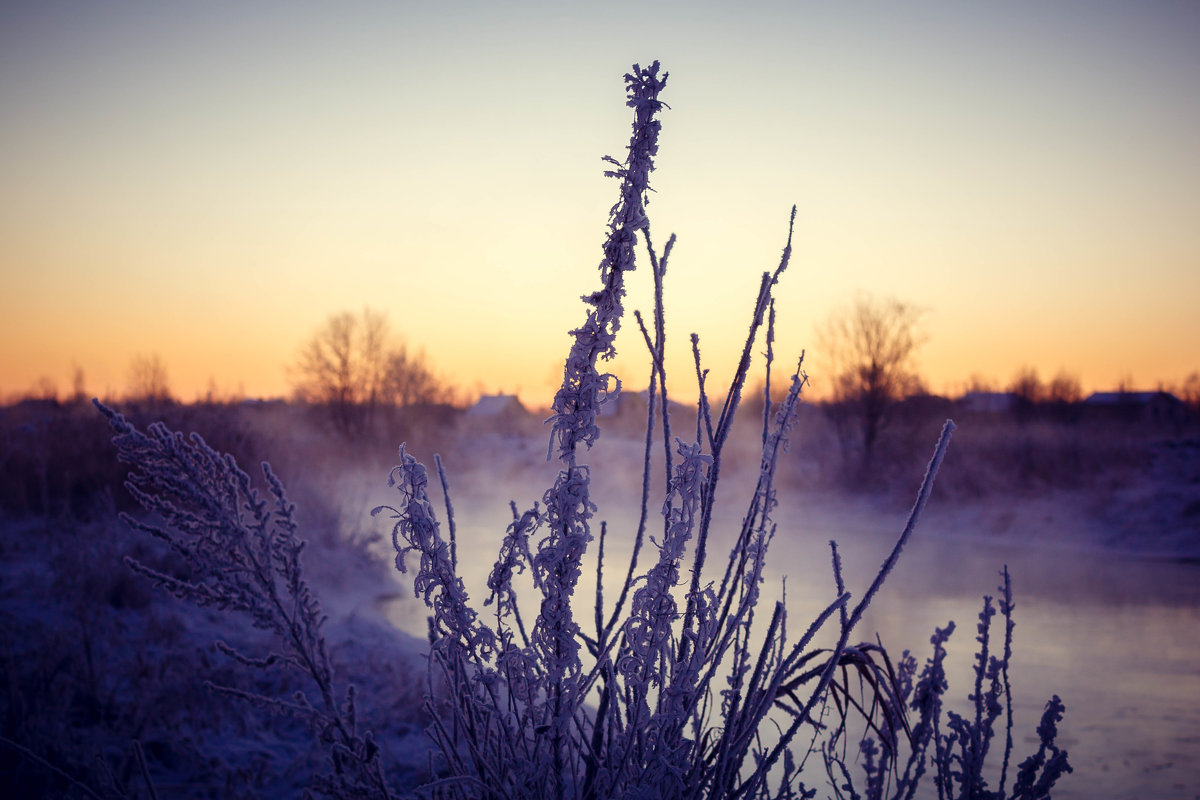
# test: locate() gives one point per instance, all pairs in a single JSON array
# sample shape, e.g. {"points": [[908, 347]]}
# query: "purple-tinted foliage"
{"points": [[690, 692], [244, 556], [577, 403], [417, 531], [653, 611], [960, 754], [1038, 773]]}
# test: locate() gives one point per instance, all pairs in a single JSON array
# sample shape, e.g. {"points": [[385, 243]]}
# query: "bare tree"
{"points": [[1027, 390], [78, 385], [979, 383], [44, 388], [408, 380], [1064, 388], [1063, 394], [1190, 391], [870, 347], [352, 367], [148, 379]]}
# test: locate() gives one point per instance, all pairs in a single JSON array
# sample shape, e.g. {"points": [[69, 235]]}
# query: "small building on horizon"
{"points": [[498, 413], [988, 402], [496, 405], [1135, 406]]}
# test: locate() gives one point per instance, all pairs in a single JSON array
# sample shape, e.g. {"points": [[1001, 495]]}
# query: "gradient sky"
{"points": [[209, 181]]}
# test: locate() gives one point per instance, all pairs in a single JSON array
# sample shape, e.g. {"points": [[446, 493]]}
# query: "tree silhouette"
{"points": [[870, 347], [1064, 394], [352, 367], [1190, 391], [148, 379], [1027, 390]]}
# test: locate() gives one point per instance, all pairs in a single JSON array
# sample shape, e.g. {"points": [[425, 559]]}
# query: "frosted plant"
{"points": [[686, 687], [687, 693], [960, 754], [244, 556]]}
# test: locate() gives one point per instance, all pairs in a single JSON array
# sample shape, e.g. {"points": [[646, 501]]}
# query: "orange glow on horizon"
{"points": [[1028, 175]]}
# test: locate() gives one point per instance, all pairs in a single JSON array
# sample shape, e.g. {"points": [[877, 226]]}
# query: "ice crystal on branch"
{"points": [[675, 698], [417, 530], [577, 403]]}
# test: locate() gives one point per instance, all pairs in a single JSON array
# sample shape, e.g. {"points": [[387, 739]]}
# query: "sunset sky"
{"points": [[209, 181]]}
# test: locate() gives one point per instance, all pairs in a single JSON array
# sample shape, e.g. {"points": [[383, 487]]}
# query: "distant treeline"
{"points": [[56, 457]]}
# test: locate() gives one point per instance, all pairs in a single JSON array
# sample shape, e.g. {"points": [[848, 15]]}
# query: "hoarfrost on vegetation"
{"points": [[631, 709], [695, 691]]}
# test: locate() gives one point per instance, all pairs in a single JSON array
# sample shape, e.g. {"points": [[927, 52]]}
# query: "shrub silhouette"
{"points": [[689, 685]]}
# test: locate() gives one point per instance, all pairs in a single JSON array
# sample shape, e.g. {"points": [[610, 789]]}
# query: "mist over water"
{"points": [[1112, 634]]}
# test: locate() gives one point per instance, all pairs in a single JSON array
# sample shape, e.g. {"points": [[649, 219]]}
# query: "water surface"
{"points": [[1117, 637]]}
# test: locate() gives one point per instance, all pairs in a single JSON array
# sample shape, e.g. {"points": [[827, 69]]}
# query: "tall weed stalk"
{"points": [[682, 689], [690, 684]]}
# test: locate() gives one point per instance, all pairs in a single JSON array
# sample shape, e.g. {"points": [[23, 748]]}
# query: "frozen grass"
{"points": [[680, 687], [687, 683], [95, 660]]}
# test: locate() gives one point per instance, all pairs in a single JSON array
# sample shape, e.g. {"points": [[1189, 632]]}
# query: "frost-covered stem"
{"points": [[746, 706], [741, 720], [1006, 608], [658, 378], [770, 360], [576, 403], [981, 733], [416, 530], [49, 767], [703, 408], [753, 538], [659, 268], [755, 780], [927, 702], [931, 471], [734, 397], [643, 513], [729, 409], [838, 582], [597, 737], [513, 556], [653, 608], [827, 674], [437, 460], [558, 565], [600, 588], [726, 419]]}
